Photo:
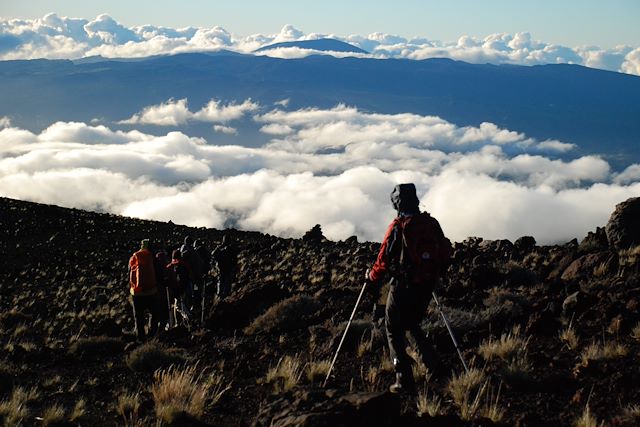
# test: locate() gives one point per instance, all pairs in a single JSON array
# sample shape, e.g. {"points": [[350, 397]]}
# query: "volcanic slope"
{"points": [[551, 332]]}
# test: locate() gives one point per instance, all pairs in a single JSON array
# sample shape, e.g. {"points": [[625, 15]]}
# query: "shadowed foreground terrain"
{"points": [[552, 332]]}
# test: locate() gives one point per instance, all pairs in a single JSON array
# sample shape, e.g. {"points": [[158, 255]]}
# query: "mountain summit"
{"points": [[325, 45]]}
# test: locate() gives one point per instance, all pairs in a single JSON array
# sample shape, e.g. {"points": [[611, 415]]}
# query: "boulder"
{"points": [[623, 228], [314, 235]]}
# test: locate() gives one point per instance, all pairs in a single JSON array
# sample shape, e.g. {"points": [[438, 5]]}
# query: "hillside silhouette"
{"points": [[552, 332], [594, 109]]}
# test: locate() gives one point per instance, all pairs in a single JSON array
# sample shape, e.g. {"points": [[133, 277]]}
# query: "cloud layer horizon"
{"points": [[334, 167], [55, 37]]}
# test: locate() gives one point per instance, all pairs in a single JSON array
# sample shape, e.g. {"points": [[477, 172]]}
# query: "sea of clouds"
{"points": [[335, 167], [57, 37]]}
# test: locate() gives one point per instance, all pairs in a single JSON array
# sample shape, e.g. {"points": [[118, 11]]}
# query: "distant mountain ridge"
{"points": [[325, 45], [595, 109]]}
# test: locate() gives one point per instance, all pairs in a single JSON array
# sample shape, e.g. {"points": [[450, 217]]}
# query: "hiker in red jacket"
{"points": [[143, 289], [415, 254]]}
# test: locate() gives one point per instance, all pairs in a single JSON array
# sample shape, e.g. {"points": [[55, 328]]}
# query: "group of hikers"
{"points": [[172, 289], [413, 256]]}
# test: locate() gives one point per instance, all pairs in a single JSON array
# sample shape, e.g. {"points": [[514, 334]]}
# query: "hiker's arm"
{"points": [[382, 262]]}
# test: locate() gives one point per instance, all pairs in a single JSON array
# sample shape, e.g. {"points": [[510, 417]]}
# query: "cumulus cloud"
{"points": [[176, 112], [225, 129], [57, 37], [334, 167]]}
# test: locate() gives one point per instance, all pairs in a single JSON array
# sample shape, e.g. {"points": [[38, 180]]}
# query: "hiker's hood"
{"points": [[404, 199]]}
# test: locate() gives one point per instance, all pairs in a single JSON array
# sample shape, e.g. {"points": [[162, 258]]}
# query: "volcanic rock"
{"points": [[623, 228]]}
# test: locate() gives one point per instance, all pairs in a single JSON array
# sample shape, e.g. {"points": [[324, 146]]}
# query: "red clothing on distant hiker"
{"points": [[142, 276]]}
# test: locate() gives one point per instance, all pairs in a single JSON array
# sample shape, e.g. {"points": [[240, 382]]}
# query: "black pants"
{"points": [[142, 303], [406, 307], [225, 281], [162, 303]]}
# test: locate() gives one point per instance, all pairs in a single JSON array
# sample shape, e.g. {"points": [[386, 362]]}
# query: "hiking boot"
{"points": [[403, 385]]}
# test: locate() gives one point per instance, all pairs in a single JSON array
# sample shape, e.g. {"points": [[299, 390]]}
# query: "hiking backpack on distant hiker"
{"points": [[423, 252], [142, 276]]}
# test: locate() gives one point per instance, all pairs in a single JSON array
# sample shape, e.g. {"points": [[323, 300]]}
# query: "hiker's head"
{"points": [[144, 244], [188, 241], [404, 199], [176, 254]]}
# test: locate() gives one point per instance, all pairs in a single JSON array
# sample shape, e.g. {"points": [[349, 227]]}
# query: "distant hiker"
{"points": [[194, 265], [225, 257], [415, 253], [163, 298], [205, 255], [142, 285], [180, 283]]}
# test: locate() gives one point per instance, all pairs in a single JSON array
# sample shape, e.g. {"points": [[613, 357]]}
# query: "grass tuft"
{"points": [[129, 408], [604, 351], [503, 348], [178, 393], [285, 375], [568, 337], [317, 370], [429, 405], [461, 385], [54, 414], [93, 348], [152, 356], [635, 332], [586, 419], [284, 316]]}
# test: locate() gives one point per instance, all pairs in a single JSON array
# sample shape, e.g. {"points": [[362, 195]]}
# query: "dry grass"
{"points": [[635, 332], [285, 375], [217, 386], [78, 412], [54, 414], [472, 393], [631, 415], [587, 419], [629, 256], [418, 369], [128, 408], [365, 346], [14, 410], [469, 406], [429, 405], [460, 386], [284, 316], [92, 348], [492, 409], [568, 337], [604, 351], [152, 356], [317, 370], [371, 379], [503, 348], [177, 392]]}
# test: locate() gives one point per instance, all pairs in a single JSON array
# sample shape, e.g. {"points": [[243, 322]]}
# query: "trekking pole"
{"points": [[344, 334], [453, 338], [204, 288]]}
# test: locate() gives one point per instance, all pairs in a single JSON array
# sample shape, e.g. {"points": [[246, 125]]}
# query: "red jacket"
{"points": [[427, 247], [142, 275]]}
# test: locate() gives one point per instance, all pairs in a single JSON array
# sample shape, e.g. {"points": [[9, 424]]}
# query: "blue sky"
{"points": [[567, 22]]}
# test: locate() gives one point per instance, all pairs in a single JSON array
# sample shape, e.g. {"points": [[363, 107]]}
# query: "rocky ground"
{"points": [[552, 332]]}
